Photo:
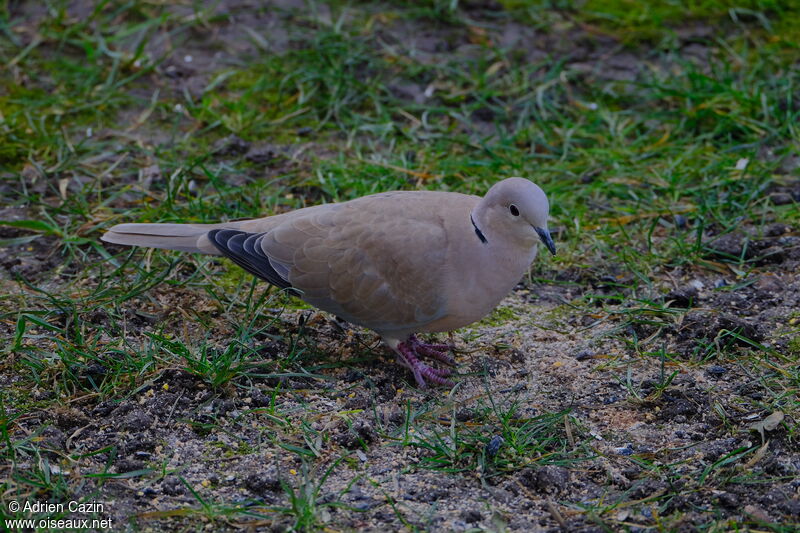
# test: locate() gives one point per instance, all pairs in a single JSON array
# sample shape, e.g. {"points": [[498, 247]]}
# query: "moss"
{"points": [[293, 303], [794, 346], [499, 316], [232, 277]]}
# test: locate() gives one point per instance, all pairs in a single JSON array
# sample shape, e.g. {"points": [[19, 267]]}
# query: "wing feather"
{"points": [[378, 263], [244, 249]]}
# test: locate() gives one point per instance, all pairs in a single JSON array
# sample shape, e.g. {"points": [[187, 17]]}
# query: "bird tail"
{"points": [[183, 237]]}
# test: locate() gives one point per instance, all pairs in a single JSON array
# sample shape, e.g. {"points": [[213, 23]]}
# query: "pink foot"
{"points": [[437, 351], [407, 356]]}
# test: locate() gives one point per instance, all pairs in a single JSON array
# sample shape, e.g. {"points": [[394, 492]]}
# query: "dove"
{"points": [[399, 263]]}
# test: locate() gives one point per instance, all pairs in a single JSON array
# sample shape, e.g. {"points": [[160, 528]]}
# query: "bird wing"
{"points": [[378, 261]]}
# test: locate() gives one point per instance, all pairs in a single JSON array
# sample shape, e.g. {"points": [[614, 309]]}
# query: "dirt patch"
{"points": [[654, 402], [217, 441]]}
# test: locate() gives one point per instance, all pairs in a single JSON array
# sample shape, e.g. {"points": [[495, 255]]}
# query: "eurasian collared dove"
{"points": [[398, 262]]}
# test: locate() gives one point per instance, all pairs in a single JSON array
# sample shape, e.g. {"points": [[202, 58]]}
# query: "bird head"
{"points": [[517, 208]]}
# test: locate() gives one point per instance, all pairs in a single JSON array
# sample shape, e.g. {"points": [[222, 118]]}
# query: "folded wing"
{"points": [[378, 263]]}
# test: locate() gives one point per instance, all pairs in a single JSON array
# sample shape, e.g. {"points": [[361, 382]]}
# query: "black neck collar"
{"points": [[478, 232]]}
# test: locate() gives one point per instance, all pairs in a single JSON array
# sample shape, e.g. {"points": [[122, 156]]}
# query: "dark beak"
{"points": [[546, 239]]}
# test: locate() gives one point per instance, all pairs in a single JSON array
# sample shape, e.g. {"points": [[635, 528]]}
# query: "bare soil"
{"points": [[546, 355]]}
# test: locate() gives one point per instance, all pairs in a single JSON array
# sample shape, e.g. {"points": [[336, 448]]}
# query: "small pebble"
{"points": [[471, 516], [781, 198], [494, 445], [624, 450], [716, 370]]}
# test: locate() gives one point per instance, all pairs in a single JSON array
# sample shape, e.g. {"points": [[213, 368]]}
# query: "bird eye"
{"points": [[514, 210]]}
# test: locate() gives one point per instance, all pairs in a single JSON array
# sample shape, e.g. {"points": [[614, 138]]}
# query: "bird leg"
{"points": [[437, 351], [407, 356]]}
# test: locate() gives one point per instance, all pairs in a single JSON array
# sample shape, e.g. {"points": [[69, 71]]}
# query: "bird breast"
{"points": [[481, 275]]}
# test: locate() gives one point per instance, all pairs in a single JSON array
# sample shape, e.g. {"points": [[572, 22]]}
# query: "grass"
{"points": [[653, 146], [519, 442]]}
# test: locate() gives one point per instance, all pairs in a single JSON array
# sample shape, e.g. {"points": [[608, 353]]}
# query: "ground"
{"points": [[645, 378]]}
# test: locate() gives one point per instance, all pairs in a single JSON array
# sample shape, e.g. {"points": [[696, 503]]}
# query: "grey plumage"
{"points": [[398, 263]]}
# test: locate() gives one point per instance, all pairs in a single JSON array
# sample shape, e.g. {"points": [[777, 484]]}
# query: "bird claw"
{"points": [[437, 351], [444, 357], [407, 356]]}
